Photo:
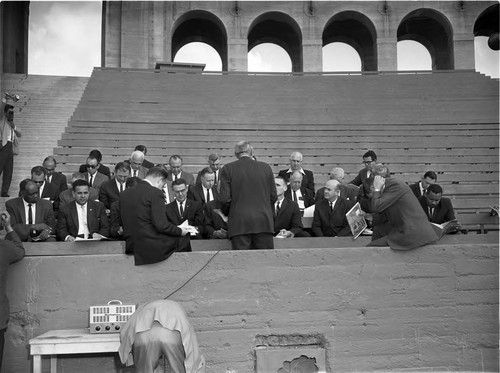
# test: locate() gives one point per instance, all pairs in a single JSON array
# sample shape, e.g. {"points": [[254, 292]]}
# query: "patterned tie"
{"points": [[208, 195], [30, 214]]}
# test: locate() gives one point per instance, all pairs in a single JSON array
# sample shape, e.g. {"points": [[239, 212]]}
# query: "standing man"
{"points": [[248, 189], [93, 177], [330, 213], [205, 191], [296, 165], [419, 188], [111, 189], [11, 251], [52, 176], [409, 226], [176, 172], [146, 229], [302, 196], [369, 158], [82, 218], [8, 133]]}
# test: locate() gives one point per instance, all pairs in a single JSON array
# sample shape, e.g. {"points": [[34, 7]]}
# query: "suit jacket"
{"points": [[115, 220], [51, 192], [146, 229], [11, 251], [99, 179], [361, 178], [443, 212], [347, 192], [148, 164], [307, 179], [328, 223], [184, 175], [213, 221], [44, 214], [193, 213], [248, 189], [102, 170], [415, 188], [67, 196], [59, 180], [97, 220], [109, 192], [217, 177], [197, 193], [141, 174], [289, 217], [410, 227], [307, 196]]}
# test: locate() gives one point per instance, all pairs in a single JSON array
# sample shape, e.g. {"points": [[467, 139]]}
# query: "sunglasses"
{"points": [[91, 166]]}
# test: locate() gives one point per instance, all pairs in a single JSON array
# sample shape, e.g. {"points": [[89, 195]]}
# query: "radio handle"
{"points": [[115, 301]]}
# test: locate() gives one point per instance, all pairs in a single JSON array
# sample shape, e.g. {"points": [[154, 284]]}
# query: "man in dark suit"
{"points": [[82, 218], [215, 220], [183, 209], [287, 216], [102, 169], [136, 164], [330, 213], [47, 191], [369, 158], [205, 191], [302, 196], [419, 188], [66, 196], [52, 176], [147, 231], [111, 189], [348, 192], [176, 172], [144, 150], [296, 165], [438, 209], [248, 190], [214, 162], [115, 219], [31, 216], [11, 251], [410, 227], [93, 177]]}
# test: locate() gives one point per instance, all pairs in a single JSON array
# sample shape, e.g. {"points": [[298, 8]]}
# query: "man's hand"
{"points": [[120, 231], [184, 230], [69, 239], [221, 233], [6, 222], [378, 183], [44, 235]]}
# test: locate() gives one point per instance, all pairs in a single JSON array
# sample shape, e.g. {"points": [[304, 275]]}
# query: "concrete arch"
{"points": [[356, 30], [433, 30], [200, 26], [281, 29], [487, 25]]}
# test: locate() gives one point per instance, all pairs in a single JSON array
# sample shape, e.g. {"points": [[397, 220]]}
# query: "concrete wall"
{"points": [[434, 308]]}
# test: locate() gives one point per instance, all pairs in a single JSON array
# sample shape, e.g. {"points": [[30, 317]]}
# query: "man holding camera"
{"points": [[8, 133]]}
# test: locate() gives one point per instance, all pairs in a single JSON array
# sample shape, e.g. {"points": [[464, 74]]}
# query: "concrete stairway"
{"points": [[42, 113]]}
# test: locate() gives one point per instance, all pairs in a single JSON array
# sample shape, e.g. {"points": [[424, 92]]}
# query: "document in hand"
{"points": [[446, 227], [356, 220], [193, 231]]}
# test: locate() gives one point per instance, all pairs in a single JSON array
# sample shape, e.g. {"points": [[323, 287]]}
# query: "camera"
{"points": [[10, 116]]}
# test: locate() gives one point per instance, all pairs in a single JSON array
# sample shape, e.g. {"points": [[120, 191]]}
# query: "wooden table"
{"points": [[70, 341]]}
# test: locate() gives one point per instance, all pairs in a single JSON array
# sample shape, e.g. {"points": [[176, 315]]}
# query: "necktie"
{"points": [[208, 195], [294, 196], [431, 212], [121, 187], [86, 232], [331, 206], [277, 208], [91, 179], [135, 173], [175, 177], [30, 214], [181, 209], [215, 178]]}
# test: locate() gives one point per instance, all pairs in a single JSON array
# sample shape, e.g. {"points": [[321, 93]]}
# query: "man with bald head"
{"points": [[296, 165], [330, 213], [348, 192], [302, 196], [248, 191]]}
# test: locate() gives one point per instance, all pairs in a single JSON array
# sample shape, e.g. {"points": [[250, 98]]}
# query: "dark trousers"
{"points": [[6, 167], [256, 241], [2, 342]]}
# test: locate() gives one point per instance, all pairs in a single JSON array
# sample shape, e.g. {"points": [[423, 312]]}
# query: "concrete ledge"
{"points": [[433, 308]]}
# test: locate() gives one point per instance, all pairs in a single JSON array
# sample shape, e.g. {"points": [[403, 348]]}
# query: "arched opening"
{"points": [[267, 57], [200, 53], [64, 37], [486, 43], [413, 56], [356, 30], [203, 27], [433, 30], [279, 29], [340, 57]]}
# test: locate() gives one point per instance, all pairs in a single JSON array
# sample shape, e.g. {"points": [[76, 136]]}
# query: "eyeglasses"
{"points": [[367, 162], [39, 182], [91, 166]]}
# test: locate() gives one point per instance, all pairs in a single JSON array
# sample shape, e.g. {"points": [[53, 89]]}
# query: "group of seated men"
{"points": [[46, 210]]}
